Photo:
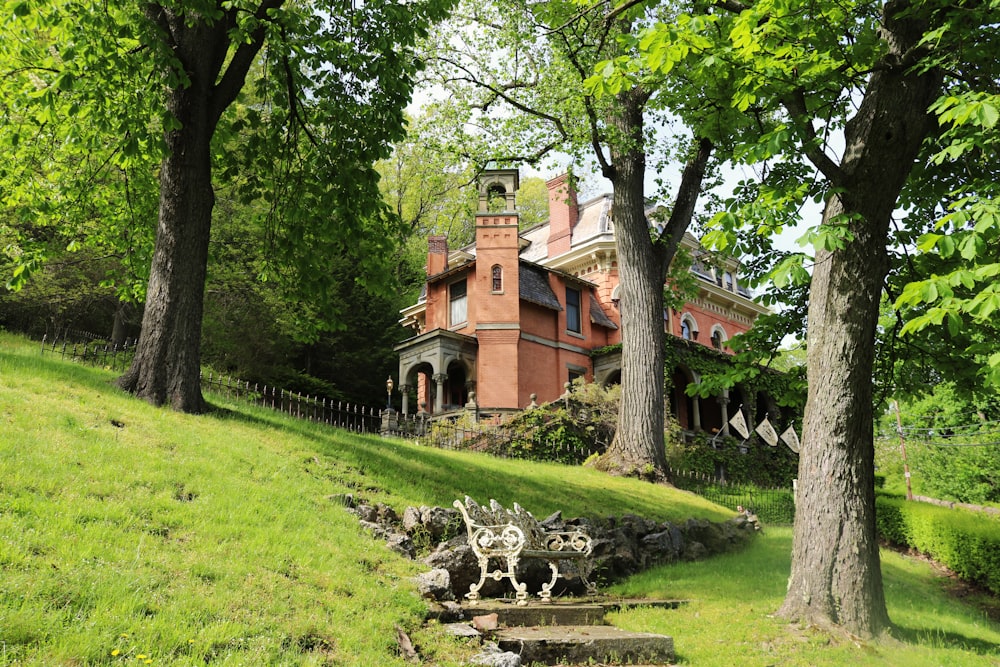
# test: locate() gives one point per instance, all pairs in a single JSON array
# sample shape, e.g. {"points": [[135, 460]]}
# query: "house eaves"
{"points": [[598, 316]]}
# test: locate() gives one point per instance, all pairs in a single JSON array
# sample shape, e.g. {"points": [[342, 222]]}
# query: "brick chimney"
{"points": [[564, 213], [437, 254]]}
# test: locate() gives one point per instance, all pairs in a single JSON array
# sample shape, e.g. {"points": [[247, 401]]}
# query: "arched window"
{"points": [[718, 337], [689, 327], [497, 272], [496, 198], [685, 330]]}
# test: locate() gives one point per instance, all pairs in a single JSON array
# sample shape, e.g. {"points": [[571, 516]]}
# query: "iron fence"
{"points": [[771, 505], [499, 435], [91, 349], [340, 414]]}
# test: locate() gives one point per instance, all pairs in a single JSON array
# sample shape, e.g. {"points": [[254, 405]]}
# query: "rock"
{"points": [[411, 519], [457, 557], [695, 551], [345, 499], [664, 546], [401, 544], [376, 529], [462, 630], [486, 622], [435, 584], [386, 514], [367, 513], [451, 611], [492, 656], [439, 521]]}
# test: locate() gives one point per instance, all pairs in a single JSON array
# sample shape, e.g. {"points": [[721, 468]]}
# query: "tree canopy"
{"points": [[108, 105], [855, 100]]}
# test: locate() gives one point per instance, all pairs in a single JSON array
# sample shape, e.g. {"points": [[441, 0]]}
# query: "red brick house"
{"points": [[516, 315]]}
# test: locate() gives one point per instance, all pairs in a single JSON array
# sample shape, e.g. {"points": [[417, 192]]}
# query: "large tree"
{"points": [[874, 74], [526, 72], [138, 79]]}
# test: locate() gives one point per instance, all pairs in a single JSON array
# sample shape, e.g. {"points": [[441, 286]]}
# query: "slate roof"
{"points": [[598, 316], [534, 286]]}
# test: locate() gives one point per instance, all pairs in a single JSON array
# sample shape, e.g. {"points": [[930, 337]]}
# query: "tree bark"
{"points": [[167, 364], [638, 443], [835, 578]]}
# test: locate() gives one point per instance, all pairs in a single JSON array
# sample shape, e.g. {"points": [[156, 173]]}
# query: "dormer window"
{"points": [[730, 281]]}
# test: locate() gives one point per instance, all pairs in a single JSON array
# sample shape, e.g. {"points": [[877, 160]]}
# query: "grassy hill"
{"points": [[135, 535]]}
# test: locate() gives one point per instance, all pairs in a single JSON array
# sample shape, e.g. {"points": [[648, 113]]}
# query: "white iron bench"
{"points": [[512, 535]]}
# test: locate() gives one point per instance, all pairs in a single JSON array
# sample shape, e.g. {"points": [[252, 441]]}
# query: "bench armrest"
{"points": [[569, 541]]}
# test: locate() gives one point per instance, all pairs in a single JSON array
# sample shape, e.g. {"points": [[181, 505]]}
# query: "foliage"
{"points": [[567, 430], [719, 371], [733, 460], [100, 95], [968, 543], [952, 445], [68, 292]]}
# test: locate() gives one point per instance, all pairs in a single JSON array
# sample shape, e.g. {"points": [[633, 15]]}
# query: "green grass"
{"points": [[728, 620], [134, 535]]}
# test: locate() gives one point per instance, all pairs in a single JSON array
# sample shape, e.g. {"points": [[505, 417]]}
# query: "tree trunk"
{"points": [[835, 577], [167, 364], [638, 442]]}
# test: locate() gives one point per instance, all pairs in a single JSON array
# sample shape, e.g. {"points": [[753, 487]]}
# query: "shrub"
{"points": [[750, 463], [968, 543]]}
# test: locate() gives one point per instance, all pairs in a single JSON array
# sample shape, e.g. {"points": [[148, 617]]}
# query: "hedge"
{"points": [[967, 543]]}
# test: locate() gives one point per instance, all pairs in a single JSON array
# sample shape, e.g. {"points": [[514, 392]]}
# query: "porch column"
{"points": [[439, 380], [696, 413], [405, 390], [724, 406]]}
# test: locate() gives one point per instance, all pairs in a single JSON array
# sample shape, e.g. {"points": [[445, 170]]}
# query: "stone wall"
{"points": [[622, 546]]}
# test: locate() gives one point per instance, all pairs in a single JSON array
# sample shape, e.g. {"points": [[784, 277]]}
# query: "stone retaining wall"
{"points": [[622, 546]]}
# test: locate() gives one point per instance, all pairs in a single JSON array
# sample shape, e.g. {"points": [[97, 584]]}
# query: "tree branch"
{"points": [[795, 103], [234, 78], [687, 196]]}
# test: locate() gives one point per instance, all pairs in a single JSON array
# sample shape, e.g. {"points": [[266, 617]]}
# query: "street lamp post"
{"points": [[388, 391]]}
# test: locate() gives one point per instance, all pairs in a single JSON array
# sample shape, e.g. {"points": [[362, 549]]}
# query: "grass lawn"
{"points": [[728, 619], [133, 535]]}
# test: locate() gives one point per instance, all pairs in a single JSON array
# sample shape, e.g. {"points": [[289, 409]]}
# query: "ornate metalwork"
{"points": [[499, 533]]}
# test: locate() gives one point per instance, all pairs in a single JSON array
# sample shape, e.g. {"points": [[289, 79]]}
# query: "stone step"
{"points": [[585, 644], [553, 613], [560, 612]]}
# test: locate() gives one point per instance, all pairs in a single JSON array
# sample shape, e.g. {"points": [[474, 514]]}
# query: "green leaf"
{"points": [[927, 242], [954, 324]]}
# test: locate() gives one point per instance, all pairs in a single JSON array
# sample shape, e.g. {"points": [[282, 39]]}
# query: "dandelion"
{"points": [[124, 635], [141, 656], [115, 652]]}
